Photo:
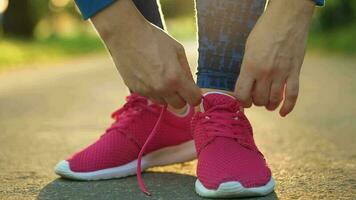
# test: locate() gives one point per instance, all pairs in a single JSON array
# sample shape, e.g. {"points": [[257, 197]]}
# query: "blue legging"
{"points": [[223, 28]]}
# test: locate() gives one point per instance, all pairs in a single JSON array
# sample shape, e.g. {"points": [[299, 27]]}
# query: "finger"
{"points": [[158, 100], [260, 93], [183, 61], [175, 101], [276, 95], [190, 92], [243, 89], [290, 95], [148, 92]]}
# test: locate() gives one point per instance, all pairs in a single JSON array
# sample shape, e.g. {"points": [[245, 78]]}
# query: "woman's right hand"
{"points": [[150, 62]]}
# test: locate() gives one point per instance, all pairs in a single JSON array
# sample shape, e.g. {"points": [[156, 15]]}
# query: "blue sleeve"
{"points": [[320, 2], [88, 8]]}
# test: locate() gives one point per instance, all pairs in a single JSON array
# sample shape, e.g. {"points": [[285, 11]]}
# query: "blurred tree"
{"points": [[22, 16], [177, 8], [336, 14]]}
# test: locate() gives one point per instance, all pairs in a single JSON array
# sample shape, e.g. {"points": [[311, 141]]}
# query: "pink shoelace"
{"points": [[220, 121], [218, 124], [133, 108], [142, 151]]}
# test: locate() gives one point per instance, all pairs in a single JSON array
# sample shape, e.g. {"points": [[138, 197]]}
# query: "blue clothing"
{"points": [[320, 2], [221, 45], [223, 28], [148, 8], [89, 8]]}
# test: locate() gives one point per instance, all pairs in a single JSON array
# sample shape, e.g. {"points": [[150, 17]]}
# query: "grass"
{"points": [[342, 41], [182, 28], [16, 51]]}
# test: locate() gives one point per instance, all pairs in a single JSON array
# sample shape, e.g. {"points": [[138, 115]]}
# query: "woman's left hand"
{"points": [[274, 54]]}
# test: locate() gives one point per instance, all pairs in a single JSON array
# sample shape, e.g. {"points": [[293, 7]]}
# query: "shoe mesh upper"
{"points": [[121, 143], [224, 142]]}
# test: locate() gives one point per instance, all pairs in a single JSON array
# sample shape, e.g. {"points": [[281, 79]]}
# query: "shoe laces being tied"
{"points": [[227, 120]]}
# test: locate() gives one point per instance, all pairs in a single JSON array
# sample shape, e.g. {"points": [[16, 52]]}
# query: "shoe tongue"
{"points": [[225, 101]]}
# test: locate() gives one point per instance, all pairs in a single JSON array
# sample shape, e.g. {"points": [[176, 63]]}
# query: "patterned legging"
{"points": [[223, 28]]}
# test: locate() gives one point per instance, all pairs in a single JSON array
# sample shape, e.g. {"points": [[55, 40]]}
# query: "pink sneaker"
{"points": [[115, 154], [229, 163]]}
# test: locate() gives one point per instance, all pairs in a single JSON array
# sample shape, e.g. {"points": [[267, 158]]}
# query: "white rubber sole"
{"points": [[234, 189], [165, 156]]}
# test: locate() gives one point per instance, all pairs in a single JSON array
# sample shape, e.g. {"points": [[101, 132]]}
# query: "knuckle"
{"points": [[263, 71], [159, 88], [292, 96], [276, 71], [172, 80], [275, 98], [240, 95], [250, 66], [261, 101], [242, 98]]}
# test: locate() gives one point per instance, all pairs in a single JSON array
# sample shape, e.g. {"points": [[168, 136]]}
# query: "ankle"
{"points": [[180, 111], [209, 90]]}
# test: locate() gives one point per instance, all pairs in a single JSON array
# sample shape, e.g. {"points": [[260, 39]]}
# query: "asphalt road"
{"points": [[47, 113]]}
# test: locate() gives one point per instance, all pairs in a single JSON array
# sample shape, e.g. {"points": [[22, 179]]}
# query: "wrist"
{"points": [[119, 19], [292, 7], [293, 12]]}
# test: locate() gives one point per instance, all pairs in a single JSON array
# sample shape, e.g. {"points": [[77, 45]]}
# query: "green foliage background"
{"points": [[333, 29]]}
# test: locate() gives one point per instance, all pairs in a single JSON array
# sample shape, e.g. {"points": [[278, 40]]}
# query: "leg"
{"points": [[151, 11], [223, 28], [229, 162]]}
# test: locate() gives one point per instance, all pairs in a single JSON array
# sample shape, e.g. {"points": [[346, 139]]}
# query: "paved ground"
{"points": [[48, 113]]}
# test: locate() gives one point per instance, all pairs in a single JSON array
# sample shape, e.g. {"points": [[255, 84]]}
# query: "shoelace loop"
{"points": [[223, 121], [133, 107]]}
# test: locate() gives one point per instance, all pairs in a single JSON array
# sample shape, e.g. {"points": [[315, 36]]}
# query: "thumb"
{"points": [[189, 90], [243, 89], [183, 61]]}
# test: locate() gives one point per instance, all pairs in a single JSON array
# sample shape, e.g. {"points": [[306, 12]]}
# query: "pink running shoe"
{"points": [[229, 163], [115, 154]]}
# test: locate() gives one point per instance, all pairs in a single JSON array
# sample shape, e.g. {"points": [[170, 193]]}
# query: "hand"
{"points": [[150, 62], [274, 54]]}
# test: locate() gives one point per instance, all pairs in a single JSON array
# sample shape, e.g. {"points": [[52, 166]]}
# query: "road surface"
{"points": [[47, 113]]}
